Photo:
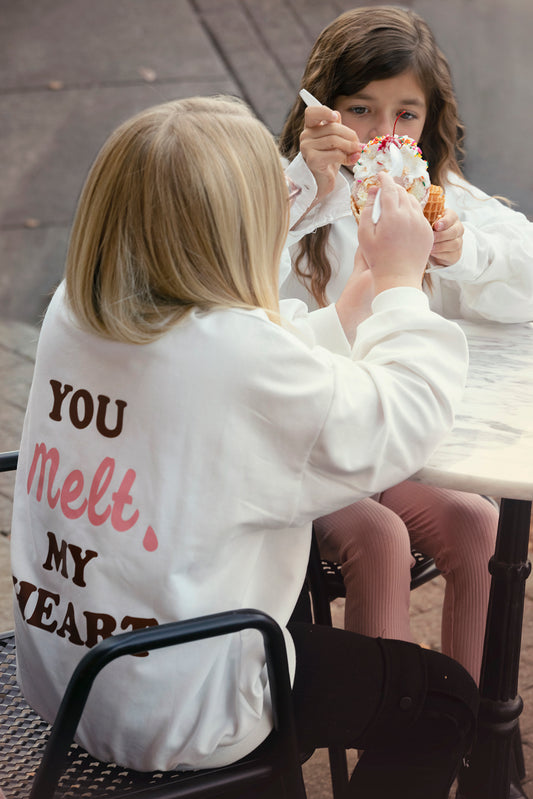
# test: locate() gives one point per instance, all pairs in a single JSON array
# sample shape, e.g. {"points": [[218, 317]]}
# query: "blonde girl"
{"points": [[139, 200], [183, 430]]}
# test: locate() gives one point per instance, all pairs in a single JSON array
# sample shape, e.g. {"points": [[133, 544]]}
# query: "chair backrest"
{"points": [[164, 635], [9, 461], [279, 759]]}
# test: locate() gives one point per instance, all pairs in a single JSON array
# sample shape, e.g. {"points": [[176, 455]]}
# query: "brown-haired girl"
{"points": [[371, 68]]}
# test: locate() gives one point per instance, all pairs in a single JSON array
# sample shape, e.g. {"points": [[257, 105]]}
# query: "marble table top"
{"points": [[490, 449]]}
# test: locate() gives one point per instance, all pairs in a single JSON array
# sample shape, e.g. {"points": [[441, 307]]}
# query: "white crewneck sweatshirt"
{"points": [[179, 478]]}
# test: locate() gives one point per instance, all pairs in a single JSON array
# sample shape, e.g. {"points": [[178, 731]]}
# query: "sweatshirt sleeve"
{"points": [[321, 327], [304, 221], [334, 206], [391, 403], [494, 275]]}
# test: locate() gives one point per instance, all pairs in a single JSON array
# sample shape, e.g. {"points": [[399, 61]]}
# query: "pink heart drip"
{"points": [[150, 542]]}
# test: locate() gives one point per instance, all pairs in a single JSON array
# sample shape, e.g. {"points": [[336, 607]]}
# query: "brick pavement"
{"points": [[70, 71]]}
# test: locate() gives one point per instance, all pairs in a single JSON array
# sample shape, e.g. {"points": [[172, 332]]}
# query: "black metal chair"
{"points": [[40, 762], [9, 461], [324, 578]]}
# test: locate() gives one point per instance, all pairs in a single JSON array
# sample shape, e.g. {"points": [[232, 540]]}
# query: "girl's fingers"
{"points": [[391, 195], [330, 158], [335, 142], [452, 233], [446, 221], [320, 136], [320, 115], [321, 121]]}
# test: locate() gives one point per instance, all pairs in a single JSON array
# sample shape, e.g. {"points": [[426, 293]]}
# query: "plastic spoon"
{"points": [[396, 172], [396, 158], [308, 98]]}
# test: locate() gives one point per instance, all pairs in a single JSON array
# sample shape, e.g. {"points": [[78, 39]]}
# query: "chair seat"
{"points": [[24, 735]]}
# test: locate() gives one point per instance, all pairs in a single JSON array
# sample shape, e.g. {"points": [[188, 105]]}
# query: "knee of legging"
{"points": [[471, 528], [379, 544], [449, 682], [425, 690]]}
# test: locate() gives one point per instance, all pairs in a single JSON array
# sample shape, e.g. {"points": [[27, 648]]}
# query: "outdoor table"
{"points": [[490, 452]]}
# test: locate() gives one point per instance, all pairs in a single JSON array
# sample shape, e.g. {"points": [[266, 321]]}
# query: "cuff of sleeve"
{"points": [[332, 207], [403, 297], [300, 173], [461, 269]]}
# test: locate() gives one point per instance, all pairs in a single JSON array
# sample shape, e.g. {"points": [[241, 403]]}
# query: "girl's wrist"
{"points": [[392, 281]]}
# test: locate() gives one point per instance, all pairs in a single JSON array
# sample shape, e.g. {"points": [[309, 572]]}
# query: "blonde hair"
{"points": [[183, 208]]}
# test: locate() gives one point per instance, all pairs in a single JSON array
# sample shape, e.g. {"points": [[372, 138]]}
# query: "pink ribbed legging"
{"points": [[372, 541]]}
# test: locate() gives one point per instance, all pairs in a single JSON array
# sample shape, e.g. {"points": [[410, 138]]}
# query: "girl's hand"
{"points": [[448, 239], [326, 144], [397, 248]]}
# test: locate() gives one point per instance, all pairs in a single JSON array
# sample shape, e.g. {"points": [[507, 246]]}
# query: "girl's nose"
{"points": [[384, 128]]}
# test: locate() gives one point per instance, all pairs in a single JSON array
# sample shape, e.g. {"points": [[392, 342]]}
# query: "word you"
{"points": [[81, 407]]}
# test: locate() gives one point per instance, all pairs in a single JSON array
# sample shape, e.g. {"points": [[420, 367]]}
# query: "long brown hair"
{"points": [[363, 45]]}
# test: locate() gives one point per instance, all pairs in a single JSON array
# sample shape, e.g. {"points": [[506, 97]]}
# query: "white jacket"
{"points": [[493, 279], [179, 478]]}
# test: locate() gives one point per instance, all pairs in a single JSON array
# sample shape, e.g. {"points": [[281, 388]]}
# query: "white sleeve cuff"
{"points": [[321, 327], [466, 266], [328, 330], [331, 208], [400, 297]]}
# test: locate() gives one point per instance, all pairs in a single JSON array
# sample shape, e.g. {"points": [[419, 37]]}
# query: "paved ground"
{"points": [[70, 71]]}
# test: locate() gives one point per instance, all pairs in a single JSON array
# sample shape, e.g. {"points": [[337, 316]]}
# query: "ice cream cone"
{"points": [[434, 207], [355, 210], [401, 157]]}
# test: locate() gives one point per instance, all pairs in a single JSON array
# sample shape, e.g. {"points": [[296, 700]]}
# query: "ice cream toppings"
{"points": [[399, 155]]}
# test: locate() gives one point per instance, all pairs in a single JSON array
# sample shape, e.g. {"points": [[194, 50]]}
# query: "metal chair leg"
{"points": [[338, 765]]}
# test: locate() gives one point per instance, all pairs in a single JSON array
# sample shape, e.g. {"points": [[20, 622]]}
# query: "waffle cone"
{"points": [[434, 207], [355, 210]]}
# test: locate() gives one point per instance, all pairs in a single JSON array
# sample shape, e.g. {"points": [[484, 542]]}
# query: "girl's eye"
{"points": [[358, 110], [408, 115]]}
